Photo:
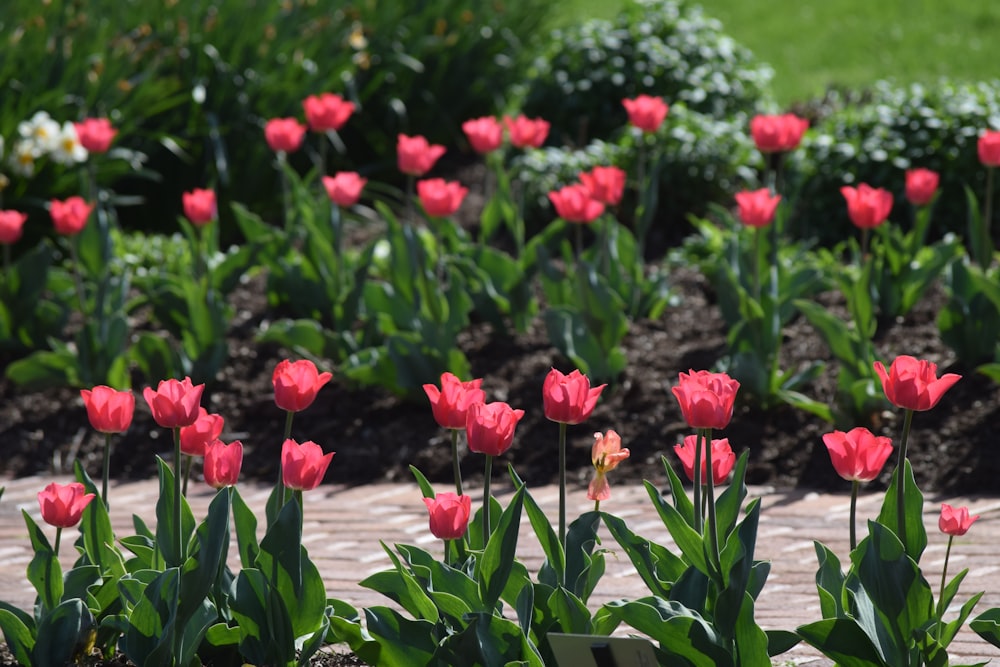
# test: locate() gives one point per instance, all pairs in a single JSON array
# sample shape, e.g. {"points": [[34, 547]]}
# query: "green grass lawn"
{"points": [[813, 44]]}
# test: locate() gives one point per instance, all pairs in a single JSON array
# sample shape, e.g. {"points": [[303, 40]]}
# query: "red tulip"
{"points": [[913, 384], [569, 399], [706, 399], [327, 111], [450, 404], [95, 134], [206, 429], [344, 188], [955, 521], [723, 459], [440, 198], [525, 132], [62, 505], [296, 384], [449, 515], [69, 217], [867, 207], [858, 455], [777, 134], [605, 184], [988, 148], [921, 186], [574, 204], [489, 427], [606, 454], [646, 112], [11, 226], [284, 134], [757, 207], [174, 403], [303, 466], [484, 134], [108, 410], [415, 156], [199, 206], [223, 463]]}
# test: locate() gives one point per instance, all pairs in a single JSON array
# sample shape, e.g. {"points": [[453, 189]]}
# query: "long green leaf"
{"points": [[842, 640], [495, 565]]}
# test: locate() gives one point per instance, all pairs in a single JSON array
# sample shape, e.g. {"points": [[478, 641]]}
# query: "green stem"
{"points": [[77, 280], [578, 239], [280, 484], [855, 485], [710, 483], [454, 461], [864, 244], [410, 194], [641, 188], [597, 505], [58, 540], [107, 470], [756, 263], [178, 542], [486, 500], [562, 487], [900, 481], [285, 191], [697, 482], [944, 578], [987, 218]]}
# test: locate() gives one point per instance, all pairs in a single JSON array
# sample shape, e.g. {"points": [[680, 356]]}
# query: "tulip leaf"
{"points": [[263, 620], [950, 629], [18, 632], [583, 566], [426, 489], [494, 566], [95, 526], [212, 546], [691, 544], [987, 625], [728, 504], [442, 577], [682, 503], [913, 511], [44, 571], [842, 640], [402, 642], [570, 612], [830, 581], [683, 635], [62, 632], [246, 530], [555, 559], [403, 588], [656, 565], [149, 638], [166, 530]]}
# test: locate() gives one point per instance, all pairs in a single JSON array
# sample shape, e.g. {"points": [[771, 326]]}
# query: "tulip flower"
{"points": [[450, 404], [706, 399], [415, 156], [69, 217], [223, 463], [62, 505], [206, 429], [449, 515], [921, 186], [645, 112], [109, 410], [199, 206], [526, 132], [867, 207], [174, 403], [569, 399], [11, 226], [344, 188], [857, 456], [485, 134], [757, 207], [955, 521], [303, 465], [95, 134], [489, 430], [573, 203], [326, 111], [777, 134], [440, 198], [913, 384], [605, 184], [296, 384], [723, 459], [988, 148], [284, 135], [606, 454]]}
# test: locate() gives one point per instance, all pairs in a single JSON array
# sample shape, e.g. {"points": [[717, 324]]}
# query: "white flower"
{"points": [[1, 148], [22, 158], [68, 149], [41, 131]]}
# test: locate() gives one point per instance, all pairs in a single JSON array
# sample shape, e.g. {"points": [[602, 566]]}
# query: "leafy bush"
{"points": [[658, 47], [874, 136]]}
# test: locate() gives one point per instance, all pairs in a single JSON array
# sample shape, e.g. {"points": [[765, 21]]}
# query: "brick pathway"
{"points": [[343, 527]]}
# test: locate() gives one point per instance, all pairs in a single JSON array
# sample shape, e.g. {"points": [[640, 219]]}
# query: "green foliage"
{"points": [[657, 47]]}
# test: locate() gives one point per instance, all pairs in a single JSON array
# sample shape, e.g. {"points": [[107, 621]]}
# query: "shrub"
{"points": [[874, 136], [657, 47]]}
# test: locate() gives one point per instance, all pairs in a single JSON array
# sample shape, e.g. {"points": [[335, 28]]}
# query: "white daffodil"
{"points": [[68, 149], [22, 158], [41, 131]]}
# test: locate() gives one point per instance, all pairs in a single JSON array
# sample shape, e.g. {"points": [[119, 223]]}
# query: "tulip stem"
{"points": [[987, 219], [756, 263], [486, 500], [55, 549], [562, 488], [280, 485], [454, 461], [900, 478], [597, 505], [178, 541], [706, 435], [944, 578], [697, 481], [107, 470], [855, 485]]}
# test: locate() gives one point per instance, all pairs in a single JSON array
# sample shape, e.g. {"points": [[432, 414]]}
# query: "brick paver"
{"points": [[343, 527]]}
